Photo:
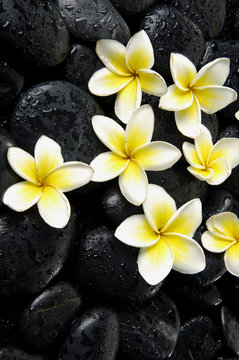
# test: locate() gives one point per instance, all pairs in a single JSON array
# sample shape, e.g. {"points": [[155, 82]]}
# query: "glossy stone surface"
{"points": [[11, 84], [15, 353]]}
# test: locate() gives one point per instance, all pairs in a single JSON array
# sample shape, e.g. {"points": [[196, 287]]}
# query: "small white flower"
{"points": [[195, 91], [46, 178]]}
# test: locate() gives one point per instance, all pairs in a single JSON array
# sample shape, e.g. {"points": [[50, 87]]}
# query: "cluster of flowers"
{"points": [[163, 233]]}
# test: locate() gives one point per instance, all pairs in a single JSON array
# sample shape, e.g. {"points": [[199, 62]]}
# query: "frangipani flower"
{"points": [[211, 163], [164, 235], [127, 73], [131, 153], [193, 92], [46, 178], [223, 235]]}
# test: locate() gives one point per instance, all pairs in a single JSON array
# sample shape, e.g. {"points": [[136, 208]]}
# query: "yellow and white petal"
{"points": [[214, 98], [136, 231], [176, 99], [215, 232], [189, 257], [189, 151], [157, 155], [203, 144], [221, 171], [47, 156], [110, 133], [54, 207], [23, 164], [183, 70], [151, 82], [139, 52], [213, 73], [186, 219], [188, 121], [237, 115], [200, 174], [227, 224], [22, 196], [112, 54], [128, 100], [69, 176], [214, 243], [139, 129], [107, 166], [158, 207], [231, 259], [227, 148], [133, 183], [155, 262], [104, 82]]}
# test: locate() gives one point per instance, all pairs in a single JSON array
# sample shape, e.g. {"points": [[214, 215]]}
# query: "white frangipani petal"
{"points": [[237, 115], [23, 164], [151, 82], [190, 153], [221, 171], [227, 148], [215, 243], [200, 174], [227, 224], [213, 73], [183, 70], [107, 166], [176, 99], [139, 52], [231, 258], [203, 144], [188, 121]]}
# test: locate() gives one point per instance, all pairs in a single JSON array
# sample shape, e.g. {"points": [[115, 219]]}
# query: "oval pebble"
{"points": [[230, 328], [132, 7]]}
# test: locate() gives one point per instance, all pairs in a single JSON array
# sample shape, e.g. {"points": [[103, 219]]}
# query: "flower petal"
{"points": [[112, 54], [189, 151], [133, 183], [158, 207], [69, 176], [186, 219], [237, 115], [215, 243], [110, 133], [188, 121], [200, 174], [183, 70], [136, 231], [139, 52], [54, 207], [155, 262], [221, 171], [227, 148], [213, 73], [47, 156], [139, 129], [203, 144], [176, 99], [227, 224], [151, 82], [189, 257], [231, 259], [107, 166], [22, 196], [128, 100], [157, 155], [104, 82], [214, 98], [215, 232], [23, 164]]}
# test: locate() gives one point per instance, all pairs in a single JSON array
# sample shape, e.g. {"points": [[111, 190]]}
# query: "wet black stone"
{"points": [[105, 266], [217, 201], [34, 31], [149, 331], [170, 31], [49, 316], [32, 252], [198, 339], [7, 176], [11, 84], [132, 7], [94, 20], [230, 288], [15, 353], [230, 328], [228, 31], [80, 65], [95, 335]]}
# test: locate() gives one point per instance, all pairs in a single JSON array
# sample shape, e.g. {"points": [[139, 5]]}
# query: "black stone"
{"points": [[228, 32], [49, 316], [105, 266], [217, 201], [15, 353], [94, 20], [149, 331], [95, 335], [132, 7], [230, 328], [34, 32], [11, 83], [170, 31]]}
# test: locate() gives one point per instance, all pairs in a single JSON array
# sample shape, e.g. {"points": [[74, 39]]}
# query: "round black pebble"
{"points": [[132, 7], [230, 328]]}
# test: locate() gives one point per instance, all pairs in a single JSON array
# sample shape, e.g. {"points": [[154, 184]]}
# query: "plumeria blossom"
{"points": [[164, 236], [237, 115], [208, 162], [194, 91], [127, 73], [131, 153], [223, 235], [46, 178]]}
